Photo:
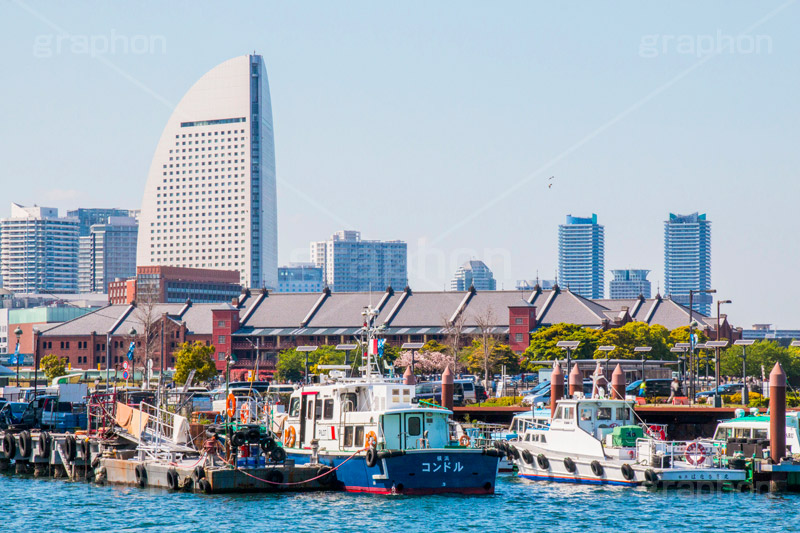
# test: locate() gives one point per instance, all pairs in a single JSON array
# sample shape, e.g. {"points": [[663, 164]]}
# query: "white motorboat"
{"points": [[597, 441]]}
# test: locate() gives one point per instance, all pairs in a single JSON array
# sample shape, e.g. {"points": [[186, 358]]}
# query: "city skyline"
{"points": [[664, 140]]}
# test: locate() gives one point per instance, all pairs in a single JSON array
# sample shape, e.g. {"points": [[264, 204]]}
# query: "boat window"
{"points": [[318, 409], [723, 434], [348, 436], [528, 436], [759, 433], [350, 401], [415, 426], [542, 438], [569, 414], [559, 412], [309, 408], [742, 433], [623, 413], [586, 413], [328, 411], [396, 395], [604, 413], [359, 437], [294, 407]]}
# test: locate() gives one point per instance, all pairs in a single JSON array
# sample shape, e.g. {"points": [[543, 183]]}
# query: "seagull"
{"points": [[550, 185]]}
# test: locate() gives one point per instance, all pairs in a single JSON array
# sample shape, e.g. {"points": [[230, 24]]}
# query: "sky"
{"points": [[439, 123]]}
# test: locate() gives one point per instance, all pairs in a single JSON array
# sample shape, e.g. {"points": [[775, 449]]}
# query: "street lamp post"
{"points": [[18, 334], [717, 345], [413, 346], [346, 348], [568, 346], [643, 350], [682, 347], [607, 348], [692, 323], [35, 361], [306, 349], [744, 343], [132, 334]]}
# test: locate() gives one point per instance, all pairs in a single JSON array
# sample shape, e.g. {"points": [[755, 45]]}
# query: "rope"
{"points": [[334, 469]]}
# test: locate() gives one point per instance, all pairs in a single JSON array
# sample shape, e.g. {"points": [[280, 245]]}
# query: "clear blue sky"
{"points": [[440, 122]]}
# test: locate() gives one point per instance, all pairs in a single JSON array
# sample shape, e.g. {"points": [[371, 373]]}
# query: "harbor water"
{"points": [[53, 505]]}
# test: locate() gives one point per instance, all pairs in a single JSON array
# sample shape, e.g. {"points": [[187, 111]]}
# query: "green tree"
{"points": [[291, 363], [53, 366], [435, 346], [632, 335], [543, 344], [194, 356], [501, 354], [762, 354]]}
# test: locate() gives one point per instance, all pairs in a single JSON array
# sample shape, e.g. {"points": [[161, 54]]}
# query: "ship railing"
{"points": [[678, 454], [163, 435]]}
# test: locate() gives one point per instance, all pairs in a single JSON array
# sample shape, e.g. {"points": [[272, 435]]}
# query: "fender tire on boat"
{"points": [[513, 451], [328, 475], [542, 461], [527, 457], [205, 486], [274, 476], [597, 468], [267, 444], [141, 475], [650, 477], [25, 444], [70, 448], [253, 435], [371, 457], [198, 473], [9, 446], [86, 450], [238, 439], [44, 445], [172, 479], [278, 455], [569, 464], [627, 471]]}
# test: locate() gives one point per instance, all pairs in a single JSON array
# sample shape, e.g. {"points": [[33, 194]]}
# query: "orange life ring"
{"points": [[371, 440], [289, 437], [244, 413], [230, 405], [695, 453], [464, 440]]}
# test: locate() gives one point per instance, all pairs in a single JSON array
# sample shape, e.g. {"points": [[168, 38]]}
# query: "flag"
{"points": [[14, 358], [130, 351], [376, 347]]}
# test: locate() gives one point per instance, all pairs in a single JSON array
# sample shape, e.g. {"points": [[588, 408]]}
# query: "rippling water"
{"points": [[518, 505]]}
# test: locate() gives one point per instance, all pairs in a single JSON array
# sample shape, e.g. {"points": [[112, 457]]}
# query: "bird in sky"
{"points": [[550, 185]]}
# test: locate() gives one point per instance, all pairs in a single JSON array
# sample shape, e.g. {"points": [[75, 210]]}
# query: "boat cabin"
{"points": [[345, 416], [598, 417], [757, 427]]}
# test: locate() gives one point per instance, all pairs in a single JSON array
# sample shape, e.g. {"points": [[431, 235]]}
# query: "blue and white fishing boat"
{"points": [[379, 439]]}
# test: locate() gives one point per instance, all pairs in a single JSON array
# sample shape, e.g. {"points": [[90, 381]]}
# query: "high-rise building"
{"points": [[629, 284], [530, 284], [210, 199], [473, 274], [300, 277], [38, 251], [581, 256], [91, 216], [350, 264], [687, 259], [106, 253]]}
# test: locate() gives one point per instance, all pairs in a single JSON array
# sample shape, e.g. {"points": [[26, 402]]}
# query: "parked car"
{"points": [[727, 388], [62, 416], [432, 390], [543, 395], [653, 387], [14, 414]]}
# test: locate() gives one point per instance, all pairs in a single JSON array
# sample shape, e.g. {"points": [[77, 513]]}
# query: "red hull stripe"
{"points": [[381, 490]]}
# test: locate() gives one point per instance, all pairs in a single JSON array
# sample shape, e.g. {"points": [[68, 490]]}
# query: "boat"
{"points": [[749, 433], [379, 438], [597, 441]]}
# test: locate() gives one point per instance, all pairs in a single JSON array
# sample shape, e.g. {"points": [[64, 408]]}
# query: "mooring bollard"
{"points": [[575, 381], [447, 388], [618, 384], [556, 387]]}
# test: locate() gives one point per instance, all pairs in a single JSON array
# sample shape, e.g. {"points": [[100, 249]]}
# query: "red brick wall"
{"points": [[526, 316]]}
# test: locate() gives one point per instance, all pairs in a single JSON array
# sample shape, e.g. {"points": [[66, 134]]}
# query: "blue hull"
{"points": [[461, 471]]}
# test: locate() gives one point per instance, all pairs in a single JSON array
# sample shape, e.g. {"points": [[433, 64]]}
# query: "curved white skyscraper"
{"points": [[210, 199]]}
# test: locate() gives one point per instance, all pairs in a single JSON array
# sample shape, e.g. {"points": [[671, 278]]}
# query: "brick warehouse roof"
{"points": [[402, 312]]}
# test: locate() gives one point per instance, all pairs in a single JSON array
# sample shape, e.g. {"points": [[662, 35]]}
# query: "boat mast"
{"points": [[369, 331]]}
